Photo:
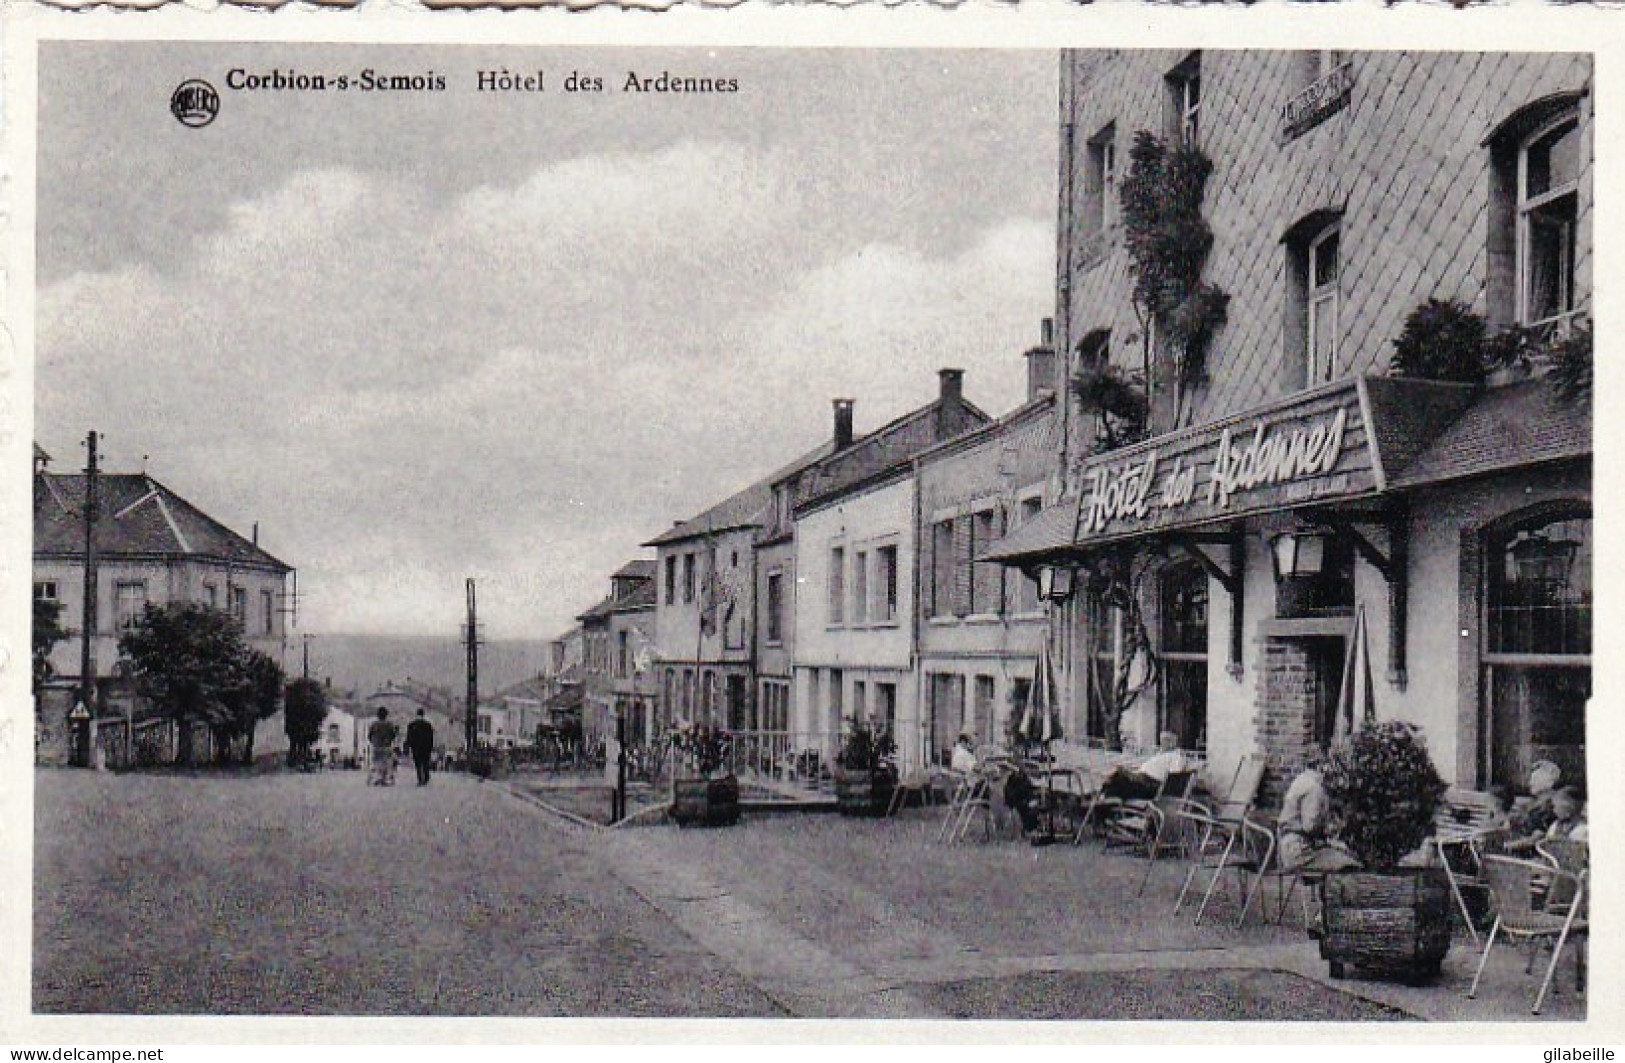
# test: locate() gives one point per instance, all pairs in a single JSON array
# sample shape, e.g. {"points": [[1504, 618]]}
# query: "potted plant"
{"points": [[865, 770], [705, 791], [1392, 916]]}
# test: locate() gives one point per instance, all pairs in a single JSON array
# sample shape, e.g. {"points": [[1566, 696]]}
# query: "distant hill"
{"points": [[364, 662]]}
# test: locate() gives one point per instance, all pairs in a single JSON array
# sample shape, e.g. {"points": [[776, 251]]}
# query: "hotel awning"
{"points": [[1338, 443]]}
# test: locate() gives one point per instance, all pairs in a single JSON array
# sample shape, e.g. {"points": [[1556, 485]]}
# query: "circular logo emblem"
{"points": [[194, 103]]}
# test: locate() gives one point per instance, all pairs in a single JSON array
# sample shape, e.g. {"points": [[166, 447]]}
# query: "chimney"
{"points": [[1041, 363], [953, 385], [843, 423]]}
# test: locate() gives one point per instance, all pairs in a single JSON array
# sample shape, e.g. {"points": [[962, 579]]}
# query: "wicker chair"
{"points": [[1216, 832], [1514, 886]]}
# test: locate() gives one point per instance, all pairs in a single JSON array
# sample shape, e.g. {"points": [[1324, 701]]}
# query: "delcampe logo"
{"points": [[194, 103]]}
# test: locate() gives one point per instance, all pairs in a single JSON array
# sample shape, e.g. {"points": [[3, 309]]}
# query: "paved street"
{"points": [[304, 894], [316, 894]]}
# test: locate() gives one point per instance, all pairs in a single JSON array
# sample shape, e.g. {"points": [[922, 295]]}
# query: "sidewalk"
{"points": [[837, 917]]}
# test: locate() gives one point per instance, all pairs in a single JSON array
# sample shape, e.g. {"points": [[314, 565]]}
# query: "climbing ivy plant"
{"points": [[1168, 242]]}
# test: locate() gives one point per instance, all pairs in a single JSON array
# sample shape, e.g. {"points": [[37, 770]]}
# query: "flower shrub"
{"points": [[1168, 242], [862, 749], [1385, 789], [702, 750], [1441, 341]]}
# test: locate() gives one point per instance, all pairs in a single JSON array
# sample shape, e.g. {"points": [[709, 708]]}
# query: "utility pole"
{"points": [[87, 651], [471, 718], [306, 669]]}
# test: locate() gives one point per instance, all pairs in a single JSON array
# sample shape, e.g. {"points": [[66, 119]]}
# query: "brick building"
{"points": [[856, 573], [981, 625], [1288, 480]]}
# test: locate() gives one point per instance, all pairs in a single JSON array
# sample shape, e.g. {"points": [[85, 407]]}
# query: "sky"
{"points": [[419, 337]]}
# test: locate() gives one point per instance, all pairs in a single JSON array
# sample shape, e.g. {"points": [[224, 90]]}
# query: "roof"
{"points": [[743, 510], [40, 454], [1052, 531], [532, 689], [137, 517], [568, 698], [599, 611], [889, 447], [639, 568], [641, 597], [1507, 427]]}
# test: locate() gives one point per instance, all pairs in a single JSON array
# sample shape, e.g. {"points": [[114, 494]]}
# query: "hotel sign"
{"points": [[1315, 450], [1318, 102]]}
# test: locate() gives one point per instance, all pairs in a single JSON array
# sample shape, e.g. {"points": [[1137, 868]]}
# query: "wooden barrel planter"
{"points": [[705, 802], [864, 793], [1395, 925]]}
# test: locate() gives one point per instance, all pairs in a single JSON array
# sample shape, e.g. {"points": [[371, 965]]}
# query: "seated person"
{"points": [[1146, 781], [963, 758], [1531, 816], [1022, 797], [1568, 817], [1305, 831]]}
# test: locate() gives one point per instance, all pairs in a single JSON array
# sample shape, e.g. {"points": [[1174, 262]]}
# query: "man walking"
{"points": [[381, 737], [420, 740]]}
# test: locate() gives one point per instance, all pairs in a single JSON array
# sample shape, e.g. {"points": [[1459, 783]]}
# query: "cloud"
{"points": [[520, 382]]}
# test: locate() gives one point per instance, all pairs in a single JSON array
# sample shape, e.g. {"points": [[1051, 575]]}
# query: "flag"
{"points": [[708, 595], [1042, 719], [1357, 695]]}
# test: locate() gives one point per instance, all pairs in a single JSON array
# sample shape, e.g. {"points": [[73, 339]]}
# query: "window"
{"points": [[982, 724], [775, 706], [623, 654], [239, 604], [211, 592], [688, 578], [837, 585], [947, 693], [268, 610], [986, 579], [1100, 183], [671, 579], [860, 587], [45, 591], [860, 700], [1537, 646], [1549, 166], [1322, 299], [485, 724], [1183, 702], [1314, 269], [775, 607], [130, 599], [1185, 99], [886, 579], [1025, 592], [1312, 66], [1103, 635], [886, 708], [837, 699], [942, 568]]}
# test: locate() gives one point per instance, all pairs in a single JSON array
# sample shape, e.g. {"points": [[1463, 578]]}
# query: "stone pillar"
{"points": [[1284, 713]]}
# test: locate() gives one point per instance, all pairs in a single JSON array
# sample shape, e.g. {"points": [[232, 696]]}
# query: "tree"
{"points": [[1116, 579], [259, 699], [191, 662], [306, 707], [47, 632]]}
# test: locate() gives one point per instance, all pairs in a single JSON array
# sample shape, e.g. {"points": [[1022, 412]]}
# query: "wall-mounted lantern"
{"points": [[1298, 554], [1055, 583]]}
